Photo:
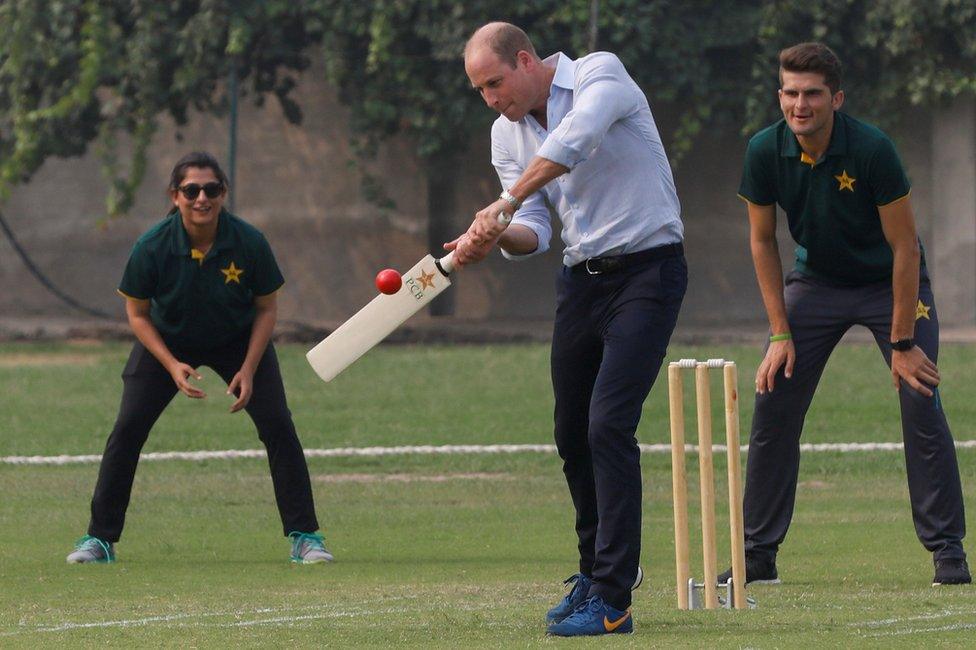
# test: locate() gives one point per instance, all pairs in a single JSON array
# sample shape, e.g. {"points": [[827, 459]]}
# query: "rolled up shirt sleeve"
{"points": [[604, 94], [533, 213]]}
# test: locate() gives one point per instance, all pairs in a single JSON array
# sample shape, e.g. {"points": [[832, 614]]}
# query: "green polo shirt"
{"points": [[201, 303], [831, 205]]}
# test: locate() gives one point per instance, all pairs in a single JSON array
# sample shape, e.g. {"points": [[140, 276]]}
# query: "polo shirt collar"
{"points": [[565, 76], [838, 140], [225, 236], [838, 137], [180, 241]]}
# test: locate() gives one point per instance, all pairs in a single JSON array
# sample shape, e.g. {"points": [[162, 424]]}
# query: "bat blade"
{"points": [[374, 322]]}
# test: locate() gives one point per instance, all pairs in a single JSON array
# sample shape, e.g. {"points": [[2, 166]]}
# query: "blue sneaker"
{"points": [[308, 548], [571, 600], [592, 618]]}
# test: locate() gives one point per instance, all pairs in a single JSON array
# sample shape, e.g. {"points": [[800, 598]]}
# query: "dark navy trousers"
{"points": [[819, 314], [610, 337], [148, 388]]}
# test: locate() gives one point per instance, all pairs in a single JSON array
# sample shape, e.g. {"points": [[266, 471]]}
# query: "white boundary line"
{"points": [[273, 616], [240, 618], [925, 630], [349, 452], [931, 616]]}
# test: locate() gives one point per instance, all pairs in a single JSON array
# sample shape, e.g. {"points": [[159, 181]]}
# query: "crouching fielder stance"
{"points": [[618, 293], [858, 262], [199, 289]]}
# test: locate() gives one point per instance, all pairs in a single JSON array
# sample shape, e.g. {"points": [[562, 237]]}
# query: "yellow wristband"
{"points": [[785, 336]]}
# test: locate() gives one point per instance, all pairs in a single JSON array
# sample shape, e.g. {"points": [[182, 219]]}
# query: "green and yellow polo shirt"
{"points": [[831, 204], [200, 302]]}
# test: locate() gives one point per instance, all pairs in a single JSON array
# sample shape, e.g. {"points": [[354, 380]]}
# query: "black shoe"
{"points": [[760, 570], [951, 571]]}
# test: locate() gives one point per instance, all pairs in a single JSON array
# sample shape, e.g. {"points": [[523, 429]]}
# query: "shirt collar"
{"points": [[838, 140], [565, 76], [225, 238], [180, 241]]}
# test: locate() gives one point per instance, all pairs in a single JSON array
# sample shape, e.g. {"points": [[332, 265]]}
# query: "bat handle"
{"points": [[446, 263]]}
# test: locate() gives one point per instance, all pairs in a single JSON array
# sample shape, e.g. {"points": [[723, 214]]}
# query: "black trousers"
{"points": [[819, 315], [610, 337], [148, 388]]}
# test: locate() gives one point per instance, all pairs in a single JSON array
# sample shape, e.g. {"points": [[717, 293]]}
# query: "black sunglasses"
{"points": [[192, 190]]}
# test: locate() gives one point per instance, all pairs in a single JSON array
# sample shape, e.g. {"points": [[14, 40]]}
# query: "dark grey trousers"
{"points": [[819, 314]]}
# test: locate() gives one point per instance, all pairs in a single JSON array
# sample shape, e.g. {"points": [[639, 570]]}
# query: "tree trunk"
{"points": [[443, 223]]}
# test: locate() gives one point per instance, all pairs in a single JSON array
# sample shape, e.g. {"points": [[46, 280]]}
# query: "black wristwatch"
{"points": [[902, 345]]}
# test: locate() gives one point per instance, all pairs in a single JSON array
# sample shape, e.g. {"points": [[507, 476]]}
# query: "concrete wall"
{"points": [[296, 184], [953, 242]]}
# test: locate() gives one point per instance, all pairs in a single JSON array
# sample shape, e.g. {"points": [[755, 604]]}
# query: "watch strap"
{"points": [[512, 201], [902, 345]]}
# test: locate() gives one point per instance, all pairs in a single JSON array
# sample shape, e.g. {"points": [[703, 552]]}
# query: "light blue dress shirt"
{"points": [[619, 195]]}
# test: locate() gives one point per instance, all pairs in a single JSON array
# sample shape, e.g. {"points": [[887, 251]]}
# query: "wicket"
{"points": [[686, 585]]}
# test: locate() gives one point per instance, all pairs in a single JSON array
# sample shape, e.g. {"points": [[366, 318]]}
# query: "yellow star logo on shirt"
{"points": [[846, 182], [232, 274], [921, 311], [426, 280]]}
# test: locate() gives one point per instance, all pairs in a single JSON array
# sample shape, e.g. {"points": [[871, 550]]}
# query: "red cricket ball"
{"points": [[388, 281]]}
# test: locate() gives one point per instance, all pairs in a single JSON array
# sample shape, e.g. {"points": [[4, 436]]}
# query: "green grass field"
{"points": [[447, 550]]}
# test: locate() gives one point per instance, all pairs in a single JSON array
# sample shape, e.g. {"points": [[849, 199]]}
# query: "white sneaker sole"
{"points": [[321, 560], [86, 559]]}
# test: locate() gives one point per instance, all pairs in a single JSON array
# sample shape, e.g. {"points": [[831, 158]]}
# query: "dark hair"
{"points": [[200, 159], [506, 41], [812, 57]]}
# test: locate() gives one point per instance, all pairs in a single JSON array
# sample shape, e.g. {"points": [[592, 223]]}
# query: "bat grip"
{"points": [[446, 263]]}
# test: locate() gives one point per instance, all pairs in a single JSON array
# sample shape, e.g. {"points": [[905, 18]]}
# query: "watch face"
{"points": [[902, 345]]}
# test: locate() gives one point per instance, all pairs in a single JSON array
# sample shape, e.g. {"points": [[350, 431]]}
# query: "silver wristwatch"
{"points": [[511, 200]]}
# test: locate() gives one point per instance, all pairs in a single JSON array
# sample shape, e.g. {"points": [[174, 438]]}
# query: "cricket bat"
{"points": [[374, 322]]}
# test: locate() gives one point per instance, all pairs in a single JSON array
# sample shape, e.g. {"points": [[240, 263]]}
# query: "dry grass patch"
{"points": [[34, 360]]}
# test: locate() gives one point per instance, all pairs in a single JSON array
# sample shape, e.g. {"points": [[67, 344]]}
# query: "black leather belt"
{"points": [[612, 263]]}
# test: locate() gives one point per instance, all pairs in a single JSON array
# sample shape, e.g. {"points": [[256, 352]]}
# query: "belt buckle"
{"points": [[589, 270]]}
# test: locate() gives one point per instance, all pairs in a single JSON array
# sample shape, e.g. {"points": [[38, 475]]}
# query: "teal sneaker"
{"points": [[90, 549], [308, 548], [581, 587], [592, 618]]}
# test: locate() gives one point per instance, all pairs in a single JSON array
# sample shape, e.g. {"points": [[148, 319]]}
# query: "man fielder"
{"points": [[618, 294], [858, 262]]}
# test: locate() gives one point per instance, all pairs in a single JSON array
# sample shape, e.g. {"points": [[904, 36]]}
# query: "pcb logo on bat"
{"points": [[417, 285]]}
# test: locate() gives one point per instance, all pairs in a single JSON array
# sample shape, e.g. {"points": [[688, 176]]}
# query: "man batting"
{"points": [[618, 294]]}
